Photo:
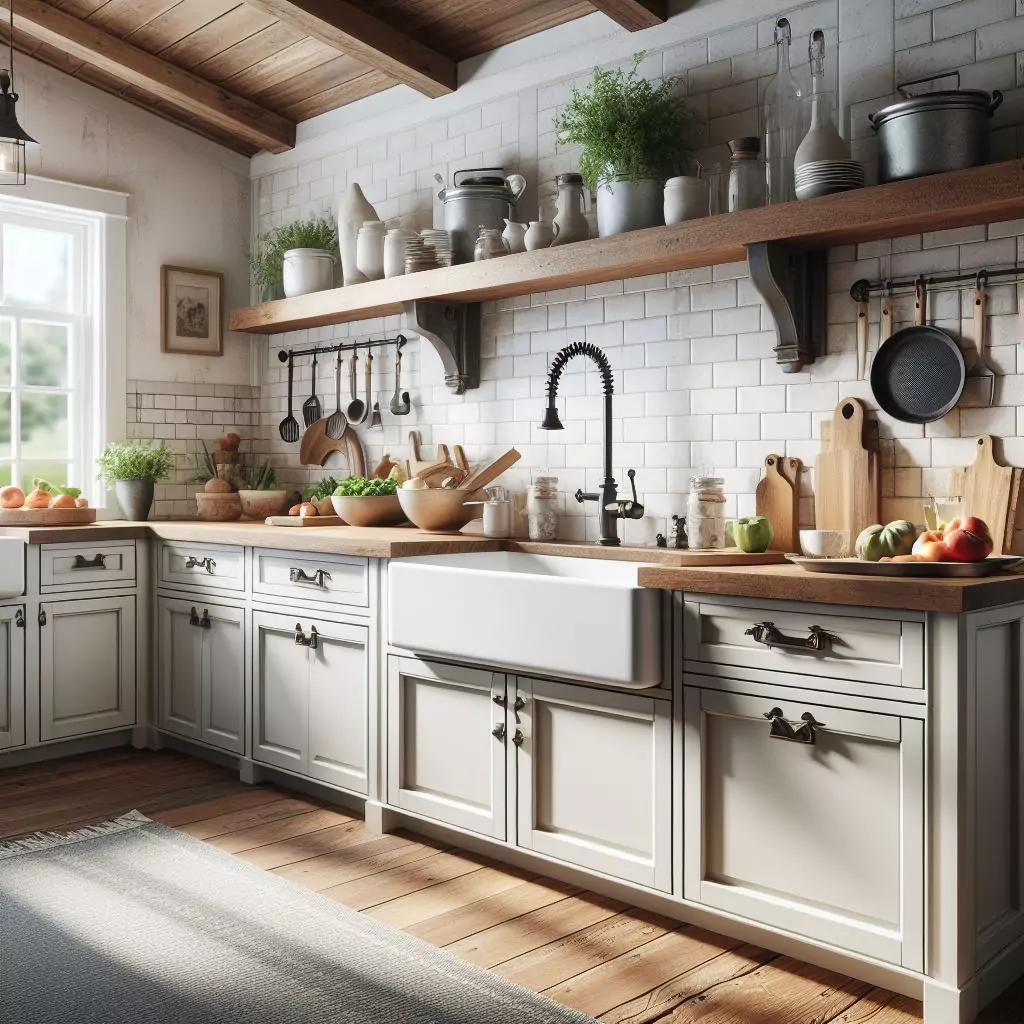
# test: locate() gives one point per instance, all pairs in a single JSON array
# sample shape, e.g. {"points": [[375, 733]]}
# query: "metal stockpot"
{"points": [[479, 197], [934, 132]]}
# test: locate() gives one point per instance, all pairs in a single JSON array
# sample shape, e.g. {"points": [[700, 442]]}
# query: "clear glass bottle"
{"points": [[822, 143], [705, 520], [782, 121], [746, 180], [542, 509]]}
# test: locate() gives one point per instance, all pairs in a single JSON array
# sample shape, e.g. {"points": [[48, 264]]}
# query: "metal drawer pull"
{"points": [[19, 618], [315, 579], [519, 739], [204, 622], [783, 730], [519, 704], [193, 618], [499, 699], [97, 562], [200, 563], [766, 633], [42, 617], [301, 640], [498, 732]]}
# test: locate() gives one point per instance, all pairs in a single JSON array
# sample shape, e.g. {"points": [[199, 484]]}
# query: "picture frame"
{"points": [[191, 311]]}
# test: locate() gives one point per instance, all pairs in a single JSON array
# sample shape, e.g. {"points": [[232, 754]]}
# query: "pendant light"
{"points": [[13, 170]]}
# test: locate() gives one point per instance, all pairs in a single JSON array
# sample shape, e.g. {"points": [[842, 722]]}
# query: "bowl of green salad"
{"points": [[368, 502]]}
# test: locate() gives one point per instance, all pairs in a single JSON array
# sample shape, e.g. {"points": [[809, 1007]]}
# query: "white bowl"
{"points": [[825, 543]]}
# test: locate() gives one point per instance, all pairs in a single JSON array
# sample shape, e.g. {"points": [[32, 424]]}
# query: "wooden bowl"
{"points": [[219, 508], [262, 504], [439, 509], [369, 510]]}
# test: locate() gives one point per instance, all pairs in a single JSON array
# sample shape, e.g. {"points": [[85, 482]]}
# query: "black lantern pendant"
{"points": [[13, 169]]}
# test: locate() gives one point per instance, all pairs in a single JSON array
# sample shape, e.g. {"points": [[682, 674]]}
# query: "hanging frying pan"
{"points": [[917, 376]]}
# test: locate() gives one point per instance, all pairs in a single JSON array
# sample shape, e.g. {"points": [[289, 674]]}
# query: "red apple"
{"points": [[966, 546]]}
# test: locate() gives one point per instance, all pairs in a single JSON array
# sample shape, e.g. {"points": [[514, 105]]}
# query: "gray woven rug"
{"points": [[134, 923]]}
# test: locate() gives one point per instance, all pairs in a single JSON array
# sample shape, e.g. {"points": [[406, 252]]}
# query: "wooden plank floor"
{"points": [[618, 963]]}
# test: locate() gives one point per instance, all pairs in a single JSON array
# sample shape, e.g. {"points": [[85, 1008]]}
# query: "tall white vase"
{"points": [[353, 210]]}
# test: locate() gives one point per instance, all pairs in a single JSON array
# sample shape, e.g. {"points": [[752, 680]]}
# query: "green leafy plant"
{"points": [[205, 468], [321, 489], [628, 127], [260, 476], [135, 460], [361, 487], [266, 257]]}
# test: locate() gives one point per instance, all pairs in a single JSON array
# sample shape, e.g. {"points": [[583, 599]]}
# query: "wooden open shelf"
{"points": [[958, 199]]}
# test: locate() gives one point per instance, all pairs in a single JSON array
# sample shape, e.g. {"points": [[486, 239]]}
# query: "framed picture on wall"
{"points": [[191, 311]]}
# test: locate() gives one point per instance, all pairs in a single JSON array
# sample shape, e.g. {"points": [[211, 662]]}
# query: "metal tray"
{"points": [[941, 570]]}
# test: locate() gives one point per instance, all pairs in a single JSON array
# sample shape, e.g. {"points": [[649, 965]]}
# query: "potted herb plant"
{"points": [[134, 467], [261, 497], [633, 134], [295, 259]]}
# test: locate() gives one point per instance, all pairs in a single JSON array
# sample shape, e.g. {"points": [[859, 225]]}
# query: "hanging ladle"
{"points": [[400, 404], [356, 411], [289, 427]]}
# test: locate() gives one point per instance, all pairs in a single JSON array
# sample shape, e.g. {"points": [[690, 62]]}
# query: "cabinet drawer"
{"points": [[822, 838], [67, 566], [304, 577], [880, 651], [201, 566]]}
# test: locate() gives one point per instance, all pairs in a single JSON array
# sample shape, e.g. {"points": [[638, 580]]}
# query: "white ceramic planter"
{"points": [[686, 198], [629, 205], [306, 271]]}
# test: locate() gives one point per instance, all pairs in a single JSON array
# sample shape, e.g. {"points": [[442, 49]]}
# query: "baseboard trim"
{"points": [[66, 748]]}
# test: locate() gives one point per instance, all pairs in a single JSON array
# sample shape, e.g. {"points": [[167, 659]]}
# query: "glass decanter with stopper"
{"points": [[782, 121], [822, 141]]}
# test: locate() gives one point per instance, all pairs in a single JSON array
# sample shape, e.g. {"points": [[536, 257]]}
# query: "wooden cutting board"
{"points": [[985, 486], [846, 484], [300, 521], [47, 516], [776, 498], [317, 445]]}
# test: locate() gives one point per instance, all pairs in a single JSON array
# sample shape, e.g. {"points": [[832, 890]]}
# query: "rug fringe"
{"points": [[51, 840]]}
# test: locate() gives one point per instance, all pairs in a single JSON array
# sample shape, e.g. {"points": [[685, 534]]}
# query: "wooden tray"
{"points": [[942, 570], [296, 521], [47, 516]]}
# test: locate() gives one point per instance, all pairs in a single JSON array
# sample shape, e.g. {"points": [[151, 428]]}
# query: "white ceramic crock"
{"points": [[306, 271], [686, 198]]}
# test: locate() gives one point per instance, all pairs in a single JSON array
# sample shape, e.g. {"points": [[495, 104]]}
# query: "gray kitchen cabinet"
{"points": [[202, 672], [594, 777], [87, 669], [310, 697], [12, 677]]}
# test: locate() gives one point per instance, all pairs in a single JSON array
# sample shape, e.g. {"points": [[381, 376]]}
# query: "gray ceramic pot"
{"points": [[135, 498], [629, 205]]}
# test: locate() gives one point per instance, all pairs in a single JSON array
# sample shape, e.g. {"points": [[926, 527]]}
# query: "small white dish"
{"points": [[826, 543]]}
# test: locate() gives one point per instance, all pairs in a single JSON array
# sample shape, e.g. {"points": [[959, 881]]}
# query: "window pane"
{"points": [[6, 331], [5, 425], [5, 474], [44, 354], [44, 426], [36, 267], [52, 472]]}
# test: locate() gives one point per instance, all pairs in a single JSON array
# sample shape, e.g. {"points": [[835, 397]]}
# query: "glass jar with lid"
{"points": [[746, 181], [705, 520], [542, 508]]}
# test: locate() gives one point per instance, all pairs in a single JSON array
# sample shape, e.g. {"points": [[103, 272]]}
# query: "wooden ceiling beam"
{"points": [[350, 30], [156, 77], [633, 14]]}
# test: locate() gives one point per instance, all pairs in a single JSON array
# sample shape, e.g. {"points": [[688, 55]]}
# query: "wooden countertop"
{"points": [[790, 583], [90, 533]]}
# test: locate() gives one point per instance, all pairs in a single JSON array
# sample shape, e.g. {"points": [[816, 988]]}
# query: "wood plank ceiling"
{"points": [[244, 74]]}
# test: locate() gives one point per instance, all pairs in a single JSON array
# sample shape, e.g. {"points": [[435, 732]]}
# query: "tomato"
{"points": [[965, 546]]}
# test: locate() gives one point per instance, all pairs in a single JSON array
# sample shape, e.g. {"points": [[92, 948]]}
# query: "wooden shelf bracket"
{"points": [[793, 282], [453, 328]]}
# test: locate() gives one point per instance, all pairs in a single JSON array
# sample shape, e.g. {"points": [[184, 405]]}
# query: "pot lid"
{"points": [[948, 99]]}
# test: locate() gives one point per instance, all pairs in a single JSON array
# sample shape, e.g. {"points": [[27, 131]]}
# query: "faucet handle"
{"points": [[629, 509], [632, 483]]}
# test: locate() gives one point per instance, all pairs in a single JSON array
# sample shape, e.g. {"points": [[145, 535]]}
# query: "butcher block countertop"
{"points": [[790, 583]]}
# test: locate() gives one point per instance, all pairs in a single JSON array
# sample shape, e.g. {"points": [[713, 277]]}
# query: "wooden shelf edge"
{"points": [[958, 199]]}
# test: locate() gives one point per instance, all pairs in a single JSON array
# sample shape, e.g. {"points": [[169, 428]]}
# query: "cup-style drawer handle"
{"points": [[200, 563], [765, 633], [301, 640], [313, 579], [96, 562], [783, 730]]}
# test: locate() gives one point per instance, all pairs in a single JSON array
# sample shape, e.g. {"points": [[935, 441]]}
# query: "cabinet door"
{"points": [[223, 676], [594, 777], [824, 840], [180, 670], [12, 677], [446, 744], [338, 706], [86, 666], [280, 687]]}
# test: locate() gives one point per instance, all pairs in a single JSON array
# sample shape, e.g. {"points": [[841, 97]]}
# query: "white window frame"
{"points": [[99, 218]]}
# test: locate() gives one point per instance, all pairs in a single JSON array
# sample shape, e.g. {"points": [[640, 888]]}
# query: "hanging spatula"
{"points": [[289, 427], [336, 422], [311, 410], [982, 370]]}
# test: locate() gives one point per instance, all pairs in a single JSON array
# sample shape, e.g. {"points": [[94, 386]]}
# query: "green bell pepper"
{"points": [[752, 534]]}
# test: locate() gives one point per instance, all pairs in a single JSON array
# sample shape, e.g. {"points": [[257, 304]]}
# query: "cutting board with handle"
{"points": [[985, 487], [776, 498], [846, 482]]}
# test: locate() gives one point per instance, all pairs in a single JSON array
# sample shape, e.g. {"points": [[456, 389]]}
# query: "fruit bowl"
{"points": [[261, 504], [369, 510], [219, 508], [439, 508]]}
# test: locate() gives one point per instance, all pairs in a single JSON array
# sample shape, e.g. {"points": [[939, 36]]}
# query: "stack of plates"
{"points": [[418, 255], [823, 177], [440, 241]]}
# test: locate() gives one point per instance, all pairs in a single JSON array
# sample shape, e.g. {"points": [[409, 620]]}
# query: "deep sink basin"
{"points": [[12, 567], [574, 618]]}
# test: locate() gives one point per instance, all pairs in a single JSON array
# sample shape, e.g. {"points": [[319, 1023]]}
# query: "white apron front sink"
{"points": [[12, 567], [572, 618]]}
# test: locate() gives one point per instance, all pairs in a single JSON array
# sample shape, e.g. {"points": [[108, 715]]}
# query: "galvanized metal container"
{"points": [[479, 197]]}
